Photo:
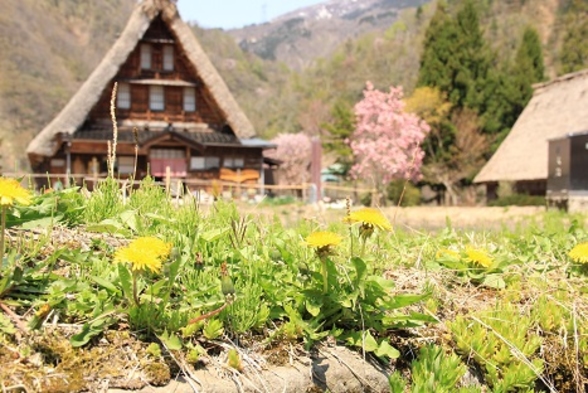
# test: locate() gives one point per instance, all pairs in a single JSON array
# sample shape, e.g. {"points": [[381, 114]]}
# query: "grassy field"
{"points": [[443, 300]]}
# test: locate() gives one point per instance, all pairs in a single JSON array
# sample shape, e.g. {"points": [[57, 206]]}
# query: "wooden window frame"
{"points": [[125, 165], [152, 102], [168, 58], [204, 163], [146, 56], [186, 105], [234, 162], [123, 96]]}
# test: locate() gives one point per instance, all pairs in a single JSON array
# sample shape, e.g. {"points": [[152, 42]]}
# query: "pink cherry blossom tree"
{"points": [[294, 151], [386, 143]]}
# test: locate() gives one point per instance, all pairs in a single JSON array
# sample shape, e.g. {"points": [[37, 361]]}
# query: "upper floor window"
{"points": [[189, 99], [145, 56], [156, 98], [123, 96], [168, 58]]}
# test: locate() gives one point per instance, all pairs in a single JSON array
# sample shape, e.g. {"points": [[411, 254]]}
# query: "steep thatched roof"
{"points": [[75, 112], [557, 108]]}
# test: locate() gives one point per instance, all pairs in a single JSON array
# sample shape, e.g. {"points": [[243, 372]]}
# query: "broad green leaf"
{"points": [[162, 219], [44, 222], [214, 234], [155, 288], [369, 342], [108, 226], [104, 284], [129, 218], [89, 330], [382, 282], [6, 325], [360, 270], [494, 281], [400, 301], [387, 350], [171, 341], [84, 337], [414, 319], [126, 280], [313, 306], [174, 266]]}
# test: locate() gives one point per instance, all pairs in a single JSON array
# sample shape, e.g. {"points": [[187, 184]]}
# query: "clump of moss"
{"points": [[49, 363], [157, 373]]}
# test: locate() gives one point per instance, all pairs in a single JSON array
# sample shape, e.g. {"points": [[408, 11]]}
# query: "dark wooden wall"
{"points": [[207, 110]]}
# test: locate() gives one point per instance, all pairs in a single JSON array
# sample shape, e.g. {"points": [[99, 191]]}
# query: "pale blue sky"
{"points": [[237, 13]]}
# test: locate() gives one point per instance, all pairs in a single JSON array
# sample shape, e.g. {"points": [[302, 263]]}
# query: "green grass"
{"points": [[416, 302]]}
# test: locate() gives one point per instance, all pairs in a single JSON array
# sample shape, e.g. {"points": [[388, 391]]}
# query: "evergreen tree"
{"points": [[527, 70], [339, 130], [473, 59], [529, 57], [574, 50], [510, 87], [456, 58], [438, 58]]}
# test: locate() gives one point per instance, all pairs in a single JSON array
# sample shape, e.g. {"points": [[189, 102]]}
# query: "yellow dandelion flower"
{"points": [[579, 253], [478, 257], [323, 239], [445, 252], [144, 253], [323, 243], [369, 217], [154, 245], [11, 191]]}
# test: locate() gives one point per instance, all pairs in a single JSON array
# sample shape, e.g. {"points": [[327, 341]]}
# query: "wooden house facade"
{"points": [[567, 181], [171, 104]]}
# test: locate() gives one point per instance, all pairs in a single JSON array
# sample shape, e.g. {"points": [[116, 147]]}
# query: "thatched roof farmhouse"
{"points": [[557, 108], [168, 91]]}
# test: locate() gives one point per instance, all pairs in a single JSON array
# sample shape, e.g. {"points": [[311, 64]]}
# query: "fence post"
{"points": [[168, 181], [315, 168]]}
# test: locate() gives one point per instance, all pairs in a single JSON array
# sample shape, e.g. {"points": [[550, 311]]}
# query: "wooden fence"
{"points": [[197, 187]]}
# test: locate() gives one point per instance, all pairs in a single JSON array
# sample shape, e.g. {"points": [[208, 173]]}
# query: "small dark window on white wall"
{"points": [[145, 56], [189, 99], [123, 96], [168, 58], [156, 98]]}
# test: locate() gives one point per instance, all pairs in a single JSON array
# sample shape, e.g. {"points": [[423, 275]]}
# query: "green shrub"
{"points": [[411, 197]]}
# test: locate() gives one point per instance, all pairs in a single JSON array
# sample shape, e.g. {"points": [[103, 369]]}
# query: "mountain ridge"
{"points": [[299, 37]]}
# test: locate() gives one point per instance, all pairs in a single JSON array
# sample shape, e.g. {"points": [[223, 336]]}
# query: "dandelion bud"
{"points": [[227, 286]]}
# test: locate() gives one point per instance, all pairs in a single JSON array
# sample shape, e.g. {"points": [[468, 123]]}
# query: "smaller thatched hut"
{"points": [[557, 108]]}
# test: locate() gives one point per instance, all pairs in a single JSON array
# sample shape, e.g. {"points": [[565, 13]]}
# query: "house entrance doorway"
{"points": [[175, 159]]}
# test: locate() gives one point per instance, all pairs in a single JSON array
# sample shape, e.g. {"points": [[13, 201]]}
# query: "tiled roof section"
{"points": [[203, 138]]}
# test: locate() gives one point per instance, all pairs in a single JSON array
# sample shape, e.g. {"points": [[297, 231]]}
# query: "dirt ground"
{"points": [[420, 218]]}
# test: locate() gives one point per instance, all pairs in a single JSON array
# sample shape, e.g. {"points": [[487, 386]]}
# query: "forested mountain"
{"points": [[50, 46]]}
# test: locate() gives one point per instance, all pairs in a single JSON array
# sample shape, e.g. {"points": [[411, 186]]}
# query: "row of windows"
{"points": [[126, 164], [197, 163], [147, 57], [156, 98]]}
